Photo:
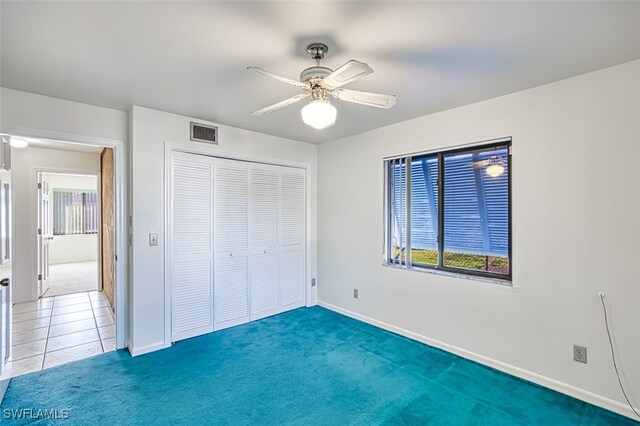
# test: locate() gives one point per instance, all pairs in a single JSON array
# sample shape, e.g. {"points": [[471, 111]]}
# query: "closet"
{"points": [[236, 242]]}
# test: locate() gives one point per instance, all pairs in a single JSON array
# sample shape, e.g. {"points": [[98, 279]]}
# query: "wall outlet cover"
{"points": [[580, 353]]}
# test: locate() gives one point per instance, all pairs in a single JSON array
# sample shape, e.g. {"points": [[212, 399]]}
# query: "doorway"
{"points": [[60, 312], [68, 233]]}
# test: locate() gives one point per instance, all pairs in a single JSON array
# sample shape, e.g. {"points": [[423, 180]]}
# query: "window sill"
{"points": [[506, 283]]}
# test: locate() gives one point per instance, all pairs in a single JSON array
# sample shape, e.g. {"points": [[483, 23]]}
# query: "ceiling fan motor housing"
{"points": [[314, 72]]}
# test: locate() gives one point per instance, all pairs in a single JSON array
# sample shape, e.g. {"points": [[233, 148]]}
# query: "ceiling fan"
{"points": [[319, 82], [495, 165]]}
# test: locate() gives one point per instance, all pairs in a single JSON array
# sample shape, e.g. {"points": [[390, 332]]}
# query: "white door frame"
{"points": [[214, 151], [79, 172], [122, 247]]}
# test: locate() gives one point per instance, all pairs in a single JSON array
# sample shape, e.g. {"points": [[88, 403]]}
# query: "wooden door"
{"points": [[107, 216]]}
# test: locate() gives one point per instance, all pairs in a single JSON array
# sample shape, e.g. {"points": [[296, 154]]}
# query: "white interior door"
{"points": [[292, 259], [44, 233], [191, 212], [237, 242], [5, 261], [264, 211], [231, 265]]}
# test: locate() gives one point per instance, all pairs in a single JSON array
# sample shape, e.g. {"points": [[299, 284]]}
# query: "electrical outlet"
{"points": [[355, 293], [313, 282], [580, 353]]}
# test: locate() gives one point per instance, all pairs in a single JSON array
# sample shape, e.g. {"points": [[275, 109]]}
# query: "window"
{"points": [[75, 212], [451, 210]]}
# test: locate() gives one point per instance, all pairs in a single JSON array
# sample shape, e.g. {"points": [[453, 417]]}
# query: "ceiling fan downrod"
{"points": [[317, 51]]}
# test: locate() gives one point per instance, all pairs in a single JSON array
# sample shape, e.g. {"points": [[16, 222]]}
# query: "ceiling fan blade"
{"points": [[280, 104], [347, 73], [365, 98], [277, 77]]}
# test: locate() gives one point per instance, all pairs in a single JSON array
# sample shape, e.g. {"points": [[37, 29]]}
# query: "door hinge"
{"points": [[39, 231], [39, 277], [39, 185]]}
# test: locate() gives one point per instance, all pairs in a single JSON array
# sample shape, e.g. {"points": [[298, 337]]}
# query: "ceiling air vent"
{"points": [[204, 133]]}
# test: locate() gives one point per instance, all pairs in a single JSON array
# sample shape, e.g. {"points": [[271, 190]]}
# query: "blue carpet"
{"points": [[309, 366]]}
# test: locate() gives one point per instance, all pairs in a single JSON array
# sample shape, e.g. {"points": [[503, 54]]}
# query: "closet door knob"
{"points": [[230, 254]]}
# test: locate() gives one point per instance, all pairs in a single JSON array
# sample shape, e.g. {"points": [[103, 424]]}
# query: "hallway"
{"points": [[61, 329]]}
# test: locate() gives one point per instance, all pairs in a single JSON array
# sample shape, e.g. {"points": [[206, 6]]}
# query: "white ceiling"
{"points": [[190, 58]]}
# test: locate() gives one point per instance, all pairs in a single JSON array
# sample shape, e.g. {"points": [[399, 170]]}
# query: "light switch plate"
{"points": [[153, 239]]}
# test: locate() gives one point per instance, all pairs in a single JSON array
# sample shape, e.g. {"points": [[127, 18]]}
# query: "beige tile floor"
{"points": [[60, 329]]}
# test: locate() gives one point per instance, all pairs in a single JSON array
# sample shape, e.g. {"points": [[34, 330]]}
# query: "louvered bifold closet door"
{"points": [[231, 266], [291, 260], [263, 239], [191, 245]]}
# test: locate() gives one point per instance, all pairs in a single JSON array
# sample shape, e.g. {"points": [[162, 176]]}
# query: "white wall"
{"points": [[72, 248], [150, 131], [34, 115], [71, 182], [22, 110], [25, 162], [576, 231]]}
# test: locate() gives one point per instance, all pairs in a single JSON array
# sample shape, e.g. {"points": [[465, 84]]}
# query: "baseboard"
{"points": [[145, 349], [547, 382], [4, 384]]}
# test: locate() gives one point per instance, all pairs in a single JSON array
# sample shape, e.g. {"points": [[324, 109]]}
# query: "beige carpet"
{"points": [[67, 278]]}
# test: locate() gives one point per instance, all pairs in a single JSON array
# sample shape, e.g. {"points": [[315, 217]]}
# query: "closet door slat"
{"points": [[264, 210], [231, 266], [291, 265], [191, 269]]}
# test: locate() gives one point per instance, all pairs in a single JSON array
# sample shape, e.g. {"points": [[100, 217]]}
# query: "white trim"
{"points": [[167, 207], [479, 144], [122, 251], [215, 151], [4, 384], [581, 394], [145, 349], [460, 275], [53, 135]]}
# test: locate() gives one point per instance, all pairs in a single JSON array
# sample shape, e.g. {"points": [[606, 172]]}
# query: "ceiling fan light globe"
{"points": [[495, 170], [18, 142], [495, 166], [319, 114]]}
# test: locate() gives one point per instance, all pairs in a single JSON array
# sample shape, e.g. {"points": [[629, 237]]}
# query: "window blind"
{"points": [[75, 212]]}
